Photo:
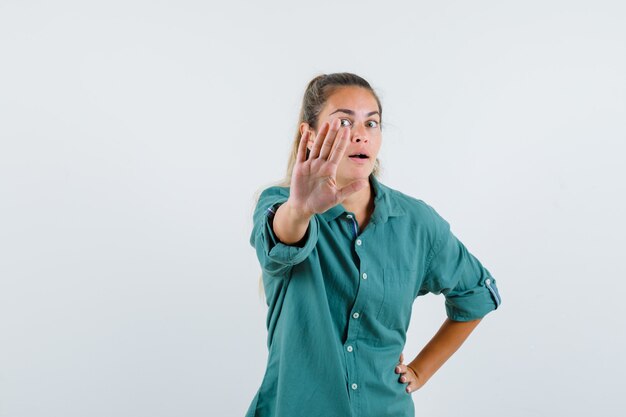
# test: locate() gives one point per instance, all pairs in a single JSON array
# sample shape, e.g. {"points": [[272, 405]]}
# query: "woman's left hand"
{"points": [[408, 376]]}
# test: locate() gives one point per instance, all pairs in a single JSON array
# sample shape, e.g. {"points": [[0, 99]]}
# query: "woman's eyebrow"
{"points": [[350, 112]]}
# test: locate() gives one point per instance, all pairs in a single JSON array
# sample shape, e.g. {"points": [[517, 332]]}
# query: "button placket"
{"points": [[354, 320]]}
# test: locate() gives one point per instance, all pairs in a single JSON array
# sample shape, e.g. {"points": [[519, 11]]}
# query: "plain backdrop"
{"points": [[135, 134]]}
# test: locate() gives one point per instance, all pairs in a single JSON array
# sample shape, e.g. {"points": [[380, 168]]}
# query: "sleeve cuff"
{"points": [[281, 253], [475, 303]]}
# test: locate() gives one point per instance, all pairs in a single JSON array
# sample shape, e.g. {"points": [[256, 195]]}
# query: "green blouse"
{"points": [[340, 305]]}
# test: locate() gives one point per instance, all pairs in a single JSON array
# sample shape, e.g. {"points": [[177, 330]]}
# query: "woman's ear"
{"points": [[303, 128]]}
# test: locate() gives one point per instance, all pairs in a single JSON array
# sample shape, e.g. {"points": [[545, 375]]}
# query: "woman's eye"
{"points": [[345, 122], [372, 123]]}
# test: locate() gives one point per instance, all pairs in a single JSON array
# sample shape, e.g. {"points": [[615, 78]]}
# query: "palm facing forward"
{"points": [[313, 181]]}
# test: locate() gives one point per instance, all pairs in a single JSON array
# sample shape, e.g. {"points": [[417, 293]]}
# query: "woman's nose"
{"points": [[359, 134]]}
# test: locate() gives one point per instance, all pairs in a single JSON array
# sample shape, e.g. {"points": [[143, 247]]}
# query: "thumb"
{"points": [[352, 188]]}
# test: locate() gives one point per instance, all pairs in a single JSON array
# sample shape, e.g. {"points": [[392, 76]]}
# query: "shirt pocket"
{"points": [[399, 285]]}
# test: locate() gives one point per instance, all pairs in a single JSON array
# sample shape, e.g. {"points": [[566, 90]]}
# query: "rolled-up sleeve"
{"points": [[469, 288], [275, 257]]}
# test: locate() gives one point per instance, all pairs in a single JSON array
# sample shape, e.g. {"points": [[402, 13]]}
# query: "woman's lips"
{"points": [[357, 160]]}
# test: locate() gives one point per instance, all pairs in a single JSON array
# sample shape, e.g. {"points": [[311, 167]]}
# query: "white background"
{"points": [[135, 134]]}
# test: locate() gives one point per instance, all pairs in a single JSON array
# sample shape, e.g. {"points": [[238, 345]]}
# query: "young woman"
{"points": [[343, 258]]}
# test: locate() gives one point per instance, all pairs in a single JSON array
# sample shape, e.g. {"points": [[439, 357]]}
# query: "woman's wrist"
{"points": [[297, 213], [419, 373], [290, 224]]}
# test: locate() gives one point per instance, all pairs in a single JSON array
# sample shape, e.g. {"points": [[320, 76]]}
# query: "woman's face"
{"points": [[357, 109]]}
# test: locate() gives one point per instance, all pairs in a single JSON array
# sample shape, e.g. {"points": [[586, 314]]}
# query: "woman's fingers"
{"points": [[414, 381], [411, 386], [406, 375], [317, 144], [325, 139], [409, 377], [351, 188], [341, 144], [301, 156], [401, 369], [332, 135]]}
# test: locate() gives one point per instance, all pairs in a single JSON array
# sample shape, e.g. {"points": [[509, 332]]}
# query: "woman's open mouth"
{"points": [[359, 158]]}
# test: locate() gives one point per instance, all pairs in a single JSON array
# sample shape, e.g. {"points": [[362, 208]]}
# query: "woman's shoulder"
{"points": [[416, 208], [275, 191]]}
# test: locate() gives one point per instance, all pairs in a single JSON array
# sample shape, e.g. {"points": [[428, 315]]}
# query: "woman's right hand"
{"points": [[313, 181]]}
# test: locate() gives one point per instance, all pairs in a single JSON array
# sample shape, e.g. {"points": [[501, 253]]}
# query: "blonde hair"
{"points": [[315, 96]]}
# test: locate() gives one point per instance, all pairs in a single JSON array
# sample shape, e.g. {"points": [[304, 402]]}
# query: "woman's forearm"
{"points": [[289, 224], [448, 339]]}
